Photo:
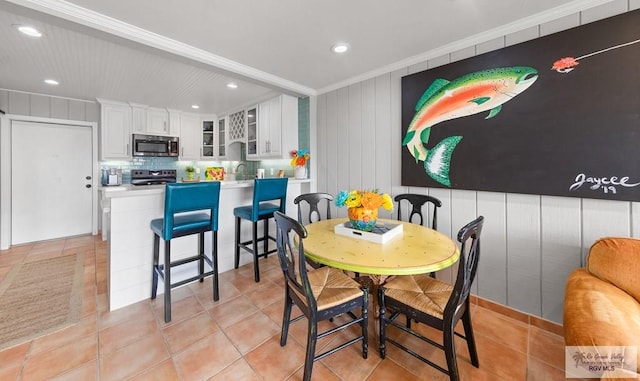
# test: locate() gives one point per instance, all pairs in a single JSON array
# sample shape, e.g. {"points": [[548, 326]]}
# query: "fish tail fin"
{"points": [[438, 161], [414, 141]]}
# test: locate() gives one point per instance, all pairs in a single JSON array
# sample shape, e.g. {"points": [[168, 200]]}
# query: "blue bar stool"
{"points": [[264, 190], [180, 198]]}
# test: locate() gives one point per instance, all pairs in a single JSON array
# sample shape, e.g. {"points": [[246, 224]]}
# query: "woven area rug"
{"points": [[40, 297]]}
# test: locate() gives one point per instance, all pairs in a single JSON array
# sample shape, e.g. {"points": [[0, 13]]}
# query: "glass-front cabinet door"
{"points": [[222, 138], [207, 139], [252, 132]]}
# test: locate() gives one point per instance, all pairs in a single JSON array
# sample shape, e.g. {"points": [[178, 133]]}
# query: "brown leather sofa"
{"points": [[602, 300]]}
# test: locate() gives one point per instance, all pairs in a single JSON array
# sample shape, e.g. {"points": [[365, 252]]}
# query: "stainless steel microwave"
{"points": [[152, 145]]}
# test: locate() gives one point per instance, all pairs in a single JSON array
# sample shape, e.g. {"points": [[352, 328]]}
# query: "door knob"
{"points": [[88, 186], [88, 178]]}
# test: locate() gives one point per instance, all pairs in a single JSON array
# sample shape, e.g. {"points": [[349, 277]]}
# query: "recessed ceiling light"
{"points": [[51, 82], [195, 107], [232, 85], [340, 47], [29, 30]]}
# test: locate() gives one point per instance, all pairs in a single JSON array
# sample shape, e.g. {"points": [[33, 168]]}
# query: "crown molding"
{"points": [[74, 13], [504, 30]]}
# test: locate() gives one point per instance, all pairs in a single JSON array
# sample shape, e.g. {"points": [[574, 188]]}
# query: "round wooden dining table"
{"points": [[417, 250]]}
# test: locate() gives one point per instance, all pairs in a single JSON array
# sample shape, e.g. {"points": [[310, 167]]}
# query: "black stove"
{"points": [[153, 177]]}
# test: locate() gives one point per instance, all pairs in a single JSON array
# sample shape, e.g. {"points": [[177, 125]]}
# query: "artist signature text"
{"points": [[607, 184]]}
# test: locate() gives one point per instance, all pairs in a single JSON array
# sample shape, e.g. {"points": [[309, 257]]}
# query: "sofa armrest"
{"points": [[617, 261]]}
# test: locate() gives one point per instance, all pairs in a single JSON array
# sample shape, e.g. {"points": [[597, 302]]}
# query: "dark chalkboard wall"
{"points": [[566, 127]]}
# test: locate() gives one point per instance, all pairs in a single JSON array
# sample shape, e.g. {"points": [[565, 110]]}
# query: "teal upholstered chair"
{"points": [[269, 196], [202, 200]]}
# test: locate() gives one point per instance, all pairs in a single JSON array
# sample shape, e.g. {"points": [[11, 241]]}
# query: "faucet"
{"points": [[244, 175]]}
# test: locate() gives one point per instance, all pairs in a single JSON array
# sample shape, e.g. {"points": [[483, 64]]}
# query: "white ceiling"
{"points": [[173, 54]]}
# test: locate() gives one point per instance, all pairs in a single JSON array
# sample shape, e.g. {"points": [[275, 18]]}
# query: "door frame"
{"points": [[6, 122]]}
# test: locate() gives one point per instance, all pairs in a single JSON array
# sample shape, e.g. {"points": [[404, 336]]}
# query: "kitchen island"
{"points": [[130, 240]]}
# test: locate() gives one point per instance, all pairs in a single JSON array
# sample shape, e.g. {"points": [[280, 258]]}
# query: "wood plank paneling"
{"points": [[4, 101], [561, 240], [40, 106], [560, 24], [343, 168], [523, 253], [603, 218], [91, 112], [77, 111], [491, 45], [322, 143], [59, 108], [19, 103], [492, 266], [368, 133], [333, 144], [354, 129], [603, 11], [387, 128]]}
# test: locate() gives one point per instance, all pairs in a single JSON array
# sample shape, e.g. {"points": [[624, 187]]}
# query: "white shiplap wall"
{"points": [[530, 243], [18, 103]]}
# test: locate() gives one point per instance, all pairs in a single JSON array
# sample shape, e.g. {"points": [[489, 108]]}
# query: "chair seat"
{"points": [[421, 292], [330, 287], [183, 223], [245, 212]]}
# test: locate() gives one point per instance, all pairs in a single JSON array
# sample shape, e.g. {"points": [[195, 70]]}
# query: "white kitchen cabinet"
{"points": [[150, 120], [174, 122], [115, 130], [157, 121], [138, 118], [273, 132], [252, 133], [190, 137]]}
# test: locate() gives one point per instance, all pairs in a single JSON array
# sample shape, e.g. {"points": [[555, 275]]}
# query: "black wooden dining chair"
{"points": [[320, 294], [417, 201], [435, 303], [313, 201]]}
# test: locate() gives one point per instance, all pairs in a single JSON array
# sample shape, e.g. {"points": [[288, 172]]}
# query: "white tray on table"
{"points": [[381, 233]]}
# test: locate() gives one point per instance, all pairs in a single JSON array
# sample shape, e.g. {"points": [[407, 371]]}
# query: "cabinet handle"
{"points": [[182, 154], [165, 125], [127, 152], [200, 152]]}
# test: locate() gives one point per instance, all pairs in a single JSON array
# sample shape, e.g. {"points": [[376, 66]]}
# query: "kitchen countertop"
{"points": [[128, 190]]}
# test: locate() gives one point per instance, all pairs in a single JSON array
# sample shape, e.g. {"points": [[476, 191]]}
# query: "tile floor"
{"points": [[237, 338]]}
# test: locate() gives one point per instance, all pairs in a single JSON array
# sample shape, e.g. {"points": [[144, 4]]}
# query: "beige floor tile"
{"points": [[120, 335], [389, 370], [232, 311], [180, 309], [266, 294], [135, 311], [67, 336], [165, 371], [289, 359], [134, 358], [239, 370], [319, 372], [547, 347], [500, 328], [87, 371], [252, 331], [206, 357], [186, 332], [52, 363]]}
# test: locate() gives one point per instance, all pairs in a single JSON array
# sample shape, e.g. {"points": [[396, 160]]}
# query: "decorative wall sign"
{"points": [[559, 115]]}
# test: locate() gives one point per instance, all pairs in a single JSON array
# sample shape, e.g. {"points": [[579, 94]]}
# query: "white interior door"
{"points": [[51, 179]]}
